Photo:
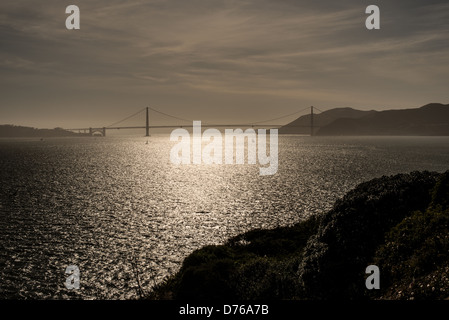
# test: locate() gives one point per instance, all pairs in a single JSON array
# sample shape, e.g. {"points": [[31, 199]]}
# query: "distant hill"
{"points": [[302, 124], [11, 131], [431, 119]]}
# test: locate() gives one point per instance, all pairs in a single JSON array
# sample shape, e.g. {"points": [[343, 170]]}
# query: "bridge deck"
{"points": [[186, 126]]}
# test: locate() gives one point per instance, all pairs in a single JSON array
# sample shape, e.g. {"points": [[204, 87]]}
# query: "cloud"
{"points": [[289, 50]]}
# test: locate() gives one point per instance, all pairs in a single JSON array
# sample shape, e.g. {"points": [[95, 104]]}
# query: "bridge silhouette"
{"points": [[91, 131]]}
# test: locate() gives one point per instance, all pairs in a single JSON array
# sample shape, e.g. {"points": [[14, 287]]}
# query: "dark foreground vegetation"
{"points": [[399, 223]]}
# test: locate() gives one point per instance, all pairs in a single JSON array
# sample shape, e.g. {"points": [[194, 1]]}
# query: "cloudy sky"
{"points": [[216, 60]]}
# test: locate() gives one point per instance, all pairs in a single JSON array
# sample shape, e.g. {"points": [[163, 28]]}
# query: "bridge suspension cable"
{"points": [[252, 123], [168, 115], [324, 116], [114, 125], [134, 114], [285, 116]]}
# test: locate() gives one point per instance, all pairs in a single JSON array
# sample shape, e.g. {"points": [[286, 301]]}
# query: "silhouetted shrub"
{"points": [[400, 223], [335, 259], [416, 248], [255, 265]]}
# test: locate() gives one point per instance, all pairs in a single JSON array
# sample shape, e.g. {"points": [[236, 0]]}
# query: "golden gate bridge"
{"points": [[259, 124]]}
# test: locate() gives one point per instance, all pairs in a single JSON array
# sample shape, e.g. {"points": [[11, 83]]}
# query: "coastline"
{"points": [[399, 223]]}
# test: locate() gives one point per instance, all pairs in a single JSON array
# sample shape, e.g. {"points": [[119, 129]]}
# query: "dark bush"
{"points": [[335, 259], [400, 223]]}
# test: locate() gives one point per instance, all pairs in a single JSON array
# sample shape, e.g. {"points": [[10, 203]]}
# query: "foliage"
{"points": [[399, 223]]}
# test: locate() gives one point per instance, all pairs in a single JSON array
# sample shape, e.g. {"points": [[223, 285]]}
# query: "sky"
{"points": [[222, 61]]}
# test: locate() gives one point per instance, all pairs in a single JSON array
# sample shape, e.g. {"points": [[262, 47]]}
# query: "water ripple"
{"points": [[115, 205]]}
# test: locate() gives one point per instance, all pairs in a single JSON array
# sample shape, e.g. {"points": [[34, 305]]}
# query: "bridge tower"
{"points": [[311, 121], [147, 126]]}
